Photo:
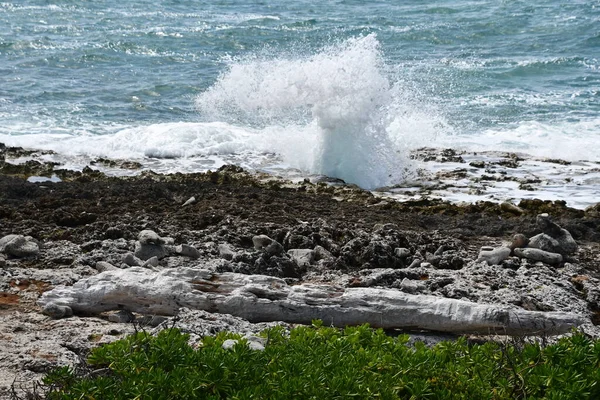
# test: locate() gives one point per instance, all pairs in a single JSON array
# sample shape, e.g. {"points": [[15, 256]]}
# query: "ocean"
{"points": [[347, 89]]}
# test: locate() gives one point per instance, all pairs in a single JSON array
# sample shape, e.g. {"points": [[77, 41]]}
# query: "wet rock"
{"points": [[265, 243], [539, 255], [57, 311], [302, 257], [102, 266], [187, 251], [19, 246], [132, 260], [226, 252], [494, 256], [566, 243]]}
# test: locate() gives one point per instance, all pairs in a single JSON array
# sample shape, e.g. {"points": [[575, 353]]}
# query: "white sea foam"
{"points": [[567, 140], [341, 102]]}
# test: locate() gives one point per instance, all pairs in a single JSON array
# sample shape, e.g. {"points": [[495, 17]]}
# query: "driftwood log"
{"points": [[260, 298]]}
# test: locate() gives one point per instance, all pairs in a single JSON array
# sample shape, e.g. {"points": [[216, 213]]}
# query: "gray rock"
{"points": [[265, 243], [416, 263], [187, 251], [121, 317], [151, 262], [412, 286], [21, 247], [132, 260], [149, 237], [544, 242], [189, 201], [519, 241], [2, 261], [145, 251], [566, 243], [321, 253], [303, 257], [5, 240], [511, 208], [539, 255], [402, 252], [495, 256], [226, 252], [57, 311], [102, 266]]}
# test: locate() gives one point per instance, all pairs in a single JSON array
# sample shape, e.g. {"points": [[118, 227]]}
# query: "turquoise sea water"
{"points": [[343, 88]]}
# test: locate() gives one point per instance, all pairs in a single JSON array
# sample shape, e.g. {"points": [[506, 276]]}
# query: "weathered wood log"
{"points": [[260, 298]]}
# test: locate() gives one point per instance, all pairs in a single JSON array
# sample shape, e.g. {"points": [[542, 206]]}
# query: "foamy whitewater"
{"points": [[347, 90]]}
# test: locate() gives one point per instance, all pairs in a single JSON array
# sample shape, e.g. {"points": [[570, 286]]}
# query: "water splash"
{"points": [[338, 99]]}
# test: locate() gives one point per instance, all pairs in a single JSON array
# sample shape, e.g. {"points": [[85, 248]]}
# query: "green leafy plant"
{"points": [[316, 362]]}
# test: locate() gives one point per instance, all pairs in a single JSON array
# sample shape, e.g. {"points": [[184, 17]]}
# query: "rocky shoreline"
{"points": [[534, 256]]}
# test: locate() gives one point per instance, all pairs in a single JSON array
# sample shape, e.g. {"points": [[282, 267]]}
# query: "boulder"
{"points": [[566, 243], [544, 242]]}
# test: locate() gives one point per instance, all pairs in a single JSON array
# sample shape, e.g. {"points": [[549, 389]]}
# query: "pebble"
{"points": [[121, 316], [226, 252], [56, 311], [187, 251], [189, 201], [263, 242], [132, 260], [151, 262], [303, 257], [402, 252]]}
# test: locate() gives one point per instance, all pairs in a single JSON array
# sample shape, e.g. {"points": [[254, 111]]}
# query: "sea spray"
{"points": [[339, 99]]}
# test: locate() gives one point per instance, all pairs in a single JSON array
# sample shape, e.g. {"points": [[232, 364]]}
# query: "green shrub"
{"points": [[329, 363]]}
